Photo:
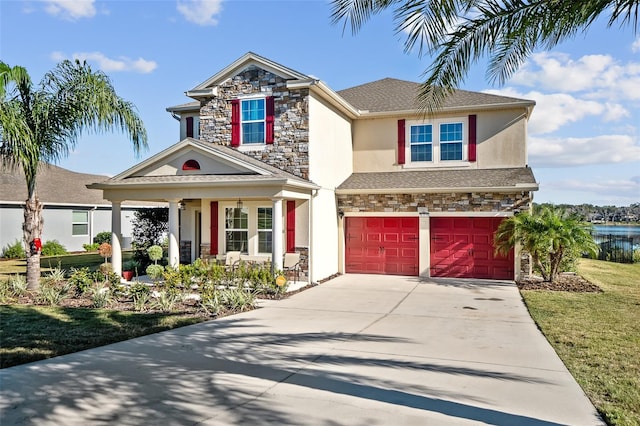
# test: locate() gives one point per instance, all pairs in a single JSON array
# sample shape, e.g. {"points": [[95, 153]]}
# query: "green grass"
{"points": [[32, 333], [597, 335], [66, 262]]}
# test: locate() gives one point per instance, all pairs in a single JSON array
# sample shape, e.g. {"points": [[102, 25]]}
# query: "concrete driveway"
{"points": [[357, 350]]}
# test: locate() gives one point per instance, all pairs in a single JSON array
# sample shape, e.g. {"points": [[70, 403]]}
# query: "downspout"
{"points": [[91, 211], [314, 193]]}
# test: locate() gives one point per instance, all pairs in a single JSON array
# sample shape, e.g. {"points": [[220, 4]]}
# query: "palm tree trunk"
{"points": [[32, 229]]}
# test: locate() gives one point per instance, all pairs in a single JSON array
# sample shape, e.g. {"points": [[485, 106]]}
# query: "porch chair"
{"points": [[291, 262], [232, 259]]}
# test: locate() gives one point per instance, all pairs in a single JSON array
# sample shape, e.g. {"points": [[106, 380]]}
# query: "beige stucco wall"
{"points": [[330, 163], [501, 141]]}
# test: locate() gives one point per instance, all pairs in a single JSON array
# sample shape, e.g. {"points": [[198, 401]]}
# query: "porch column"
{"points": [[276, 234], [116, 231], [174, 230]]}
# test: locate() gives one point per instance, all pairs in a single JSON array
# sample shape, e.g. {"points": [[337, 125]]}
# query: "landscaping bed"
{"points": [[568, 281]]}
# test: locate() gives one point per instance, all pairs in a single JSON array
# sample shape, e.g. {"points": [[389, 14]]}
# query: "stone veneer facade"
{"points": [[445, 202], [290, 148]]}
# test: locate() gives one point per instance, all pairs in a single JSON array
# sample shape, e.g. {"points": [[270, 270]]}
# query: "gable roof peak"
{"points": [[246, 60]]}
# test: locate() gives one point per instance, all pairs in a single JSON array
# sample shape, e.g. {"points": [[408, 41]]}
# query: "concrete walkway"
{"points": [[357, 350]]}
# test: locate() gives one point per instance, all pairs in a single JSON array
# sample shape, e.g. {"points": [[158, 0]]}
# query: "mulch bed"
{"points": [[567, 281]]}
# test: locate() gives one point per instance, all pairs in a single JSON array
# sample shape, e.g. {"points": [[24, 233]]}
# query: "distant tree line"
{"points": [[598, 214]]}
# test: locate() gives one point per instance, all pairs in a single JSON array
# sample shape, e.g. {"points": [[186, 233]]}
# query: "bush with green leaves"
{"points": [[101, 296], [14, 251], [140, 293], [53, 248], [18, 284], [102, 237], [166, 300], [52, 292], [5, 291], [91, 247], [82, 279], [155, 253], [155, 272]]}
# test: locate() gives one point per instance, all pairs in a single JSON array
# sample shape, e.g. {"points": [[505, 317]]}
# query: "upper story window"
{"points": [[192, 127], [438, 142], [253, 121]]}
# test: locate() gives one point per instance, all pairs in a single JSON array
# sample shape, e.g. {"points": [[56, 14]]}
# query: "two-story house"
{"points": [[271, 160]]}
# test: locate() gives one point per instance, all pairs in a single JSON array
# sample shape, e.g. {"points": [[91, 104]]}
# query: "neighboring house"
{"points": [[72, 214], [359, 181]]}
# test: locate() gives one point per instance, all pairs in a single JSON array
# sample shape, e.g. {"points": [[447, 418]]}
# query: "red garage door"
{"points": [[463, 247], [381, 245]]}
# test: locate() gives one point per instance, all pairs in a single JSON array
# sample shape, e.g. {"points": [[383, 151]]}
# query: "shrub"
{"points": [[140, 293], [14, 251], [101, 296], [52, 293], [82, 279], [167, 300], [155, 271], [102, 237], [104, 250], [91, 247], [53, 248], [5, 291], [636, 255], [18, 285], [155, 253]]}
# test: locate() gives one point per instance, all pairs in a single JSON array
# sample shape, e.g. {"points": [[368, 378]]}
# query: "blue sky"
{"points": [[584, 141]]}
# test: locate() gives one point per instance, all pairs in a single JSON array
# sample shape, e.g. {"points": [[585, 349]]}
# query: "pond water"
{"points": [[622, 230]]}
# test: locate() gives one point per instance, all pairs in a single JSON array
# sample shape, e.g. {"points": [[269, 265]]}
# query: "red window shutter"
{"points": [[401, 141], [189, 121], [214, 229], [270, 107], [235, 122], [472, 138], [291, 226]]}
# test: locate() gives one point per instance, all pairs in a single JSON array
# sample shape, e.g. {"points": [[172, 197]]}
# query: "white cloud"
{"points": [[201, 12], [71, 9], [562, 152], [635, 46], [555, 110], [605, 191], [106, 64], [599, 76]]}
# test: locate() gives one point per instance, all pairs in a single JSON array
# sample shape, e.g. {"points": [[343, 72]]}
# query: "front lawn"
{"points": [[597, 335], [30, 333]]}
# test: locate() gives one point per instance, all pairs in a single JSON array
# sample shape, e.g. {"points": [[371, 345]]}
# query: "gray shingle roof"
{"points": [[390, 94], [439, 180], [55, 185], [189, 106]]}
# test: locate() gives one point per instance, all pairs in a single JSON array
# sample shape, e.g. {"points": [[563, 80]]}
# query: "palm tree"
{"points": [[40, 125], [550, 236], [460, 32]]}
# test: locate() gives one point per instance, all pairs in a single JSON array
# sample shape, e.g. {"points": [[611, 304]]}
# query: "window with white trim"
{"points": [[253, 117], [437, 142], [79, 223], [265, 224], [236, 227]]}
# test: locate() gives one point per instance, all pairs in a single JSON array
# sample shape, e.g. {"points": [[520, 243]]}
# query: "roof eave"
{"points": [[513, 188], [328, 94], [466, 108], [260, 182]]}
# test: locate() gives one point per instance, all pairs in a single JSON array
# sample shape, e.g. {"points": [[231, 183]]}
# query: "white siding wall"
{"points": [[330, 163]]}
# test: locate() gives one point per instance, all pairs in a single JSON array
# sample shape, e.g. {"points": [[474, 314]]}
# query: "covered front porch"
{"points": [[220, 201]]}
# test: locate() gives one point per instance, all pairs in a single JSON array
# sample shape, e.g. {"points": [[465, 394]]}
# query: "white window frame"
{"points": [[263, 121], [435, 143], [226, 229], [268, 231], [73, 222]]}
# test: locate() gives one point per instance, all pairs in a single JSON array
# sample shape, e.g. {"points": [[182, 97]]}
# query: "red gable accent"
{"points": [[270, 107], [472, 138], [214, 229], [401, 141], [235, 122], [291, 226], [191, 165]]}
